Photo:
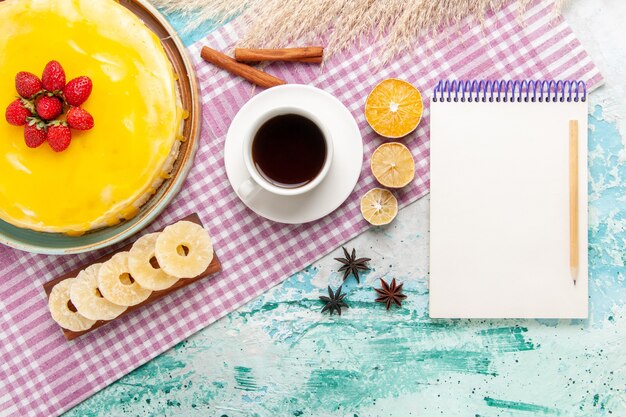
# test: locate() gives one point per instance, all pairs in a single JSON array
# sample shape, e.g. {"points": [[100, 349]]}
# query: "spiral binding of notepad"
{"points": [[510, 91]]}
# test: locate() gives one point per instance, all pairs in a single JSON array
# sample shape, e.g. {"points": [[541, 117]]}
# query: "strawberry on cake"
{"points": [[92, 117]]}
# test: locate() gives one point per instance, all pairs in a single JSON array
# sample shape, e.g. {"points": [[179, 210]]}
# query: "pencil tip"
{"points": [[574, 272]]}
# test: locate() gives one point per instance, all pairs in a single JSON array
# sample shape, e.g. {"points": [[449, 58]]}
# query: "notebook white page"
{"points": [[499, 210]]}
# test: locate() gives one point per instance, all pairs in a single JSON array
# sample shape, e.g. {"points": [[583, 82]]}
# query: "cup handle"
{"points": [[248, 189]]}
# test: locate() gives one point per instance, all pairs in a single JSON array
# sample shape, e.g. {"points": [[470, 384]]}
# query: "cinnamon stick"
{"points": [[313, 54], [251, 74]]}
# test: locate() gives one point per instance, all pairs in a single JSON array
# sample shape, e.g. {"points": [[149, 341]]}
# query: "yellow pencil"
{"points": [[573, 198]]}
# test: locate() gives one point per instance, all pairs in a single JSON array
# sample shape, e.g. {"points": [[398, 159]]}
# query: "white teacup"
{"points": [[250, 187]]}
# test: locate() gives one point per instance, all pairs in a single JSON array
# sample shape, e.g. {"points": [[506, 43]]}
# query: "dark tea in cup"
{"points": [[289, 150]]}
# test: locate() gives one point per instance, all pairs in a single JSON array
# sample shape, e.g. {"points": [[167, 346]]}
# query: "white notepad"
{"points": [[499, 203]]}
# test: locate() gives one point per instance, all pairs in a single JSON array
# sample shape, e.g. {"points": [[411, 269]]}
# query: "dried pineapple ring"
{"points": [[62, 309], [184, 249], [140, 263], [117, 284], [88, 299]]}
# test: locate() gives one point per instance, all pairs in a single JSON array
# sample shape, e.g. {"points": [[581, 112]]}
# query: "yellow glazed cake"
{"points": [[108, 172]]}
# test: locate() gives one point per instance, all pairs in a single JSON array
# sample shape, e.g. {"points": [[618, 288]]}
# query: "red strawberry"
{"points": [[77, 91], [17, 113], [49, 108], [53, 77], [79, 119], [34, 135], [27, 84], [59, 137]]}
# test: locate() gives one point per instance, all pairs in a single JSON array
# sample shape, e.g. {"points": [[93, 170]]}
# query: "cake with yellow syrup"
{"points": [[111, 170]]}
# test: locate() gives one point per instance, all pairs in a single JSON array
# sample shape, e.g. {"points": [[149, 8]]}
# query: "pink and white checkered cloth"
{"points": [[41, 374]]}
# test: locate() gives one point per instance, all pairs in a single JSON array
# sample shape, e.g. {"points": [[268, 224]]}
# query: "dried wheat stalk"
{"points": [[336, 23]]}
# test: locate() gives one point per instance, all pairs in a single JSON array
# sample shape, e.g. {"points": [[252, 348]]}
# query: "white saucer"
{"points": [[347, 159]]}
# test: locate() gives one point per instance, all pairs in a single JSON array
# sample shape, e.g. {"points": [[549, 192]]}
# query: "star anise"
{"points": [[390, 294], [334, 301], [352, 265]]}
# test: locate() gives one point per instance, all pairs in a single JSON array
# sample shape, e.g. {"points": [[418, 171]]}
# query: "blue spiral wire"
{"points": [[510, 91]]}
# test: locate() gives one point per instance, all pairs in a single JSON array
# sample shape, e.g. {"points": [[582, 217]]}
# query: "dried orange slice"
{"points": [[379, 206], [393, 165], [394, 108]]}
